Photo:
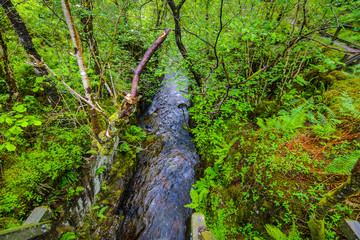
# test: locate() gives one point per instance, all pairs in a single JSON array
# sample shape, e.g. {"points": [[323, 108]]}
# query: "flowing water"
{"points": [[154, 208]]}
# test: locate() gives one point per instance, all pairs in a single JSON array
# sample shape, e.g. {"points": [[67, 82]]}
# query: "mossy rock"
{"points": [[335, 75], [325, 79]]}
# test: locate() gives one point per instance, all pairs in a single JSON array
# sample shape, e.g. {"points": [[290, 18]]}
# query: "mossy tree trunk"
{"points": [[87, 21], [340, 194], [26, 42], [7, 73]]}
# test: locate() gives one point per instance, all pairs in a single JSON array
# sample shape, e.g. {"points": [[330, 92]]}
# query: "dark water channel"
{"points": [[154, 208]]}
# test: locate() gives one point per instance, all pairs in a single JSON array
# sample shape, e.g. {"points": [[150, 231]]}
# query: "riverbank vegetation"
{"points": [[275, 104]]}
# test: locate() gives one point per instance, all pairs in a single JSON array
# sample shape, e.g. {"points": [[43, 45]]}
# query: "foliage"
{"points": [[68, 236], [271, 119], [277, 234]]}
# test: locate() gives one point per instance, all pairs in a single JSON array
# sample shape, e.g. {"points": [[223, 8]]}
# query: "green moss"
{"points": [[317, 229]]}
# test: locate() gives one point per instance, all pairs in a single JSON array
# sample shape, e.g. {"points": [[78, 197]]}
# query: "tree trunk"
{"points": [[7, 73], [83, 72], [26, 41], [340, 194], [87, 21], [176, 15]]}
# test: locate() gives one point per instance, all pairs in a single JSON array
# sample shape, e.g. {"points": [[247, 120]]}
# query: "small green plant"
{"points": [[100, 214], [100, 170], [68, 236], [276, 234], [14, 123]]}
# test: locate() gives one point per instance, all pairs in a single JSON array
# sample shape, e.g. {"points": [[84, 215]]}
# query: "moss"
{"points": [[317, 229], [338, 75], [119, 175], [8, 222]]}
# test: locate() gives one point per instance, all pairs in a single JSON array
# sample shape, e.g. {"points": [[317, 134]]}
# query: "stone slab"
{"points": [[25, 232], [197, 223], [39, 214], [351, 229]]}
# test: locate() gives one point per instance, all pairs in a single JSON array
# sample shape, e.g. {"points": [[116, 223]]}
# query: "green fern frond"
{"points": [[275, 232], [343, 163]]}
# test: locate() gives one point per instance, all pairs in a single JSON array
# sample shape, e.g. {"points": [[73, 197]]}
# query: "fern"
{"points": [[347, 107], [343, 163], [287, 121], [277, 234], [323, 118]]}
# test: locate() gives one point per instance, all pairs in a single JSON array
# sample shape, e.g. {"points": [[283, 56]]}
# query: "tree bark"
{"points": [[26, 41], [7, 73], [340, 194], [176, 15], [87, 21], [78, 51]]}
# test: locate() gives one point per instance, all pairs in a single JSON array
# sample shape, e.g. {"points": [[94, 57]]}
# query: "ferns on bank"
{"points": [[344, 163], [322, 118], [287, 121], [276, 234], [347, 107]]}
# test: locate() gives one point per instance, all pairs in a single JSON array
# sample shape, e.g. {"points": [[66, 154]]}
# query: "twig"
{"points": [[77, 95], [52, 10], [334, 48]]}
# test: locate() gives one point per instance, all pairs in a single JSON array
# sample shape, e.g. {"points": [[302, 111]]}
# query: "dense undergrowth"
{"points": [[273, 170]]}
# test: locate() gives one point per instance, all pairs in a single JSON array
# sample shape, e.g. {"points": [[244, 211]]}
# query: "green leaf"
{"points": [[15, 130], [10, 147], [68, 236], [39, 80], [24, 124], [37, 123], [18, 116], [91, 151], [102, 210], [194, 196], [124, 147], [9, 120], [20, 108]]}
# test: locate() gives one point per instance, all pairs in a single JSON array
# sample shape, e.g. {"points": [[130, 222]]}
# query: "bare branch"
{"points": [[52, 10], [137, 72], [334, 48]]}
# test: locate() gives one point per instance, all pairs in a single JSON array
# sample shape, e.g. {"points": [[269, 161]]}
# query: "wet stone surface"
{"points": [[154, 208]]}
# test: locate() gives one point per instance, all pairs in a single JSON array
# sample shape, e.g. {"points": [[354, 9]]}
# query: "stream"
{"points": [[154, 206]]}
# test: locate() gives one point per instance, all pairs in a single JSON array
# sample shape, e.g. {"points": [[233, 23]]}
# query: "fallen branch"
{"points": [[137, 72], [128, 105]]}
